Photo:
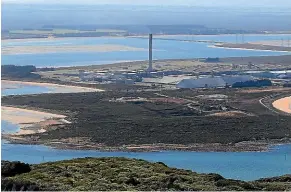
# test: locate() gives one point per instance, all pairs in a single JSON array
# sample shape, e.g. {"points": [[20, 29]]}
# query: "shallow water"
{"points": [[164, 49], [26, 89], [7, 127]]}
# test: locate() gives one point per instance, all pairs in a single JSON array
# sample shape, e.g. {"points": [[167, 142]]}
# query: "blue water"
{"points": [[25, 90], [239, 165], [163, 50], [7, 127]]}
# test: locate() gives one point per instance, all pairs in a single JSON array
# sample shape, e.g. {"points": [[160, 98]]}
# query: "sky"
{"points": [[236, 3]]}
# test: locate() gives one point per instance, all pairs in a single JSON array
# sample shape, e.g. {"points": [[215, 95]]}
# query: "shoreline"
{"points": [[82, 144], [252, 47], [266, 50], [56, 87], [34, 122], [30, 121]]}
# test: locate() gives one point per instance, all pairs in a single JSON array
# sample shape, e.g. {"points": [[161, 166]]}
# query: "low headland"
{"points": [[187, 120]]}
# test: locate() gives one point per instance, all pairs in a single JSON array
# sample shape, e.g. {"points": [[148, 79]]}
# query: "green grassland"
{"points": [[121, 174]]}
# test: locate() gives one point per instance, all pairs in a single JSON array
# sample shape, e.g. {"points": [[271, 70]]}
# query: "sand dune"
{"points": [[283, 104], [9, 50]]}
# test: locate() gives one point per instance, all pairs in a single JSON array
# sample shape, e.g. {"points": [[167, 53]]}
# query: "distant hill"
{"points": [[121, 174]]}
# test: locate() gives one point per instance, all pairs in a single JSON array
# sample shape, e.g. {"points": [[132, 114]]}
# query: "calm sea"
{"points": [[164, 49], [26, 90]]}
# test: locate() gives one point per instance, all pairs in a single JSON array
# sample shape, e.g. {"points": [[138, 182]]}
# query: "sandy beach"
{"points": [[220, 47], [31, 121], [252, 47], [283, 104], [279, 43], [55, 88]]}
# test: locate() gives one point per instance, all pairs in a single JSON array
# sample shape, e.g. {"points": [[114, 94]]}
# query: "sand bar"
{"points": [[10, 50], [279, 43], [31, 121], [55, 88], [283, 104]]}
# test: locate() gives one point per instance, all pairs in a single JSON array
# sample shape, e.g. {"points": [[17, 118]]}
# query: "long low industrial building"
{"points": [[213, 82]]}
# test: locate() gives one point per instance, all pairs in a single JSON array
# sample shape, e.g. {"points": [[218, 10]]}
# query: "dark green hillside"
{"points": [[121, 174]]}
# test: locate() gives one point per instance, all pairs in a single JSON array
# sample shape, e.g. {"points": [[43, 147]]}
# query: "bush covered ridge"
{"points": [[122, 174]]}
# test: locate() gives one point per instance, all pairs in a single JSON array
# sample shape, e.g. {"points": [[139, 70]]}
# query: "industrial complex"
{"points": [[248, 75]]}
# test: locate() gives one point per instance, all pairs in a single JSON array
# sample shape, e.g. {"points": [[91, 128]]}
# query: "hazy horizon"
{"points": [[20, 15], [210, 3]]}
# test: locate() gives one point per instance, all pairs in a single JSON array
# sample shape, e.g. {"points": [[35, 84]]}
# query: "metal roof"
{"points": [[212, 82]]}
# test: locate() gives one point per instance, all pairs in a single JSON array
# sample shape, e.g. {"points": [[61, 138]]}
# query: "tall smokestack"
{"points": [[150, 52]]}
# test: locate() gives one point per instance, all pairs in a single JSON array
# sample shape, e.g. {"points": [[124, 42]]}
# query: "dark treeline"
{"points": [[13, 71], [257, 83], [210, 60]]}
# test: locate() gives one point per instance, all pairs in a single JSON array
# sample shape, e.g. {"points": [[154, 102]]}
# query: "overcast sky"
{"points": [[236, 3]]}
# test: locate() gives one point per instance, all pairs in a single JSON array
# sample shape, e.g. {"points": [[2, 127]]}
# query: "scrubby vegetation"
{"points": [[9, 169], [118, 124], [121, 174]]}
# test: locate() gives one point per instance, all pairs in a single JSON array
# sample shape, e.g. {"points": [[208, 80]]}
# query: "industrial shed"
{"points": [[212, 82]]}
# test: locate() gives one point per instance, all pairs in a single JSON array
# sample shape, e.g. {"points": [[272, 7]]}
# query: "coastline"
{"points": [[34, 122], [31, 121], [251, 46], [236, 48], [86, 144], [56, 87]]}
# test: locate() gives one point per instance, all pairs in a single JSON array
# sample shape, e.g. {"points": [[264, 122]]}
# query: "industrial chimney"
{"points": [[150, 52]]}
